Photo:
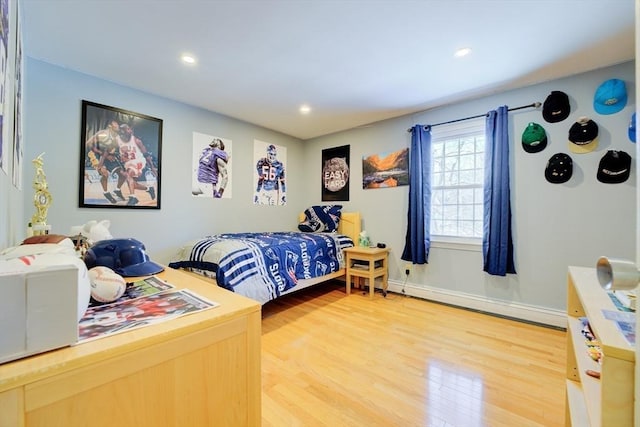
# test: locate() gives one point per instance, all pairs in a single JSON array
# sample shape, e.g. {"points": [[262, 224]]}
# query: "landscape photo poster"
{"points": [[335, 174], [386, 169], [211, 166], [270, 184]]}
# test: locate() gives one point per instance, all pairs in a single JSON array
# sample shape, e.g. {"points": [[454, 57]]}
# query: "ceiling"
{"points": [[353, 62]]}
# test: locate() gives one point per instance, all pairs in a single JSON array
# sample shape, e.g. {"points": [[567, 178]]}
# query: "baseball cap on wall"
{"points": [[614, 167], [534, 138], [583, 136], [559, 168], [610, 97], [556, 107], [632, 128]]}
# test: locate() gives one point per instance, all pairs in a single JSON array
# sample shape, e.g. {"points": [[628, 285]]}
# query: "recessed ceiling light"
{"points": [[305, 109], [462, 52], [188, 59]]}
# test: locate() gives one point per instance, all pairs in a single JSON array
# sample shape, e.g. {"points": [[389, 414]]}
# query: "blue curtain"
{"points": [[497, 244], [418, 240]]}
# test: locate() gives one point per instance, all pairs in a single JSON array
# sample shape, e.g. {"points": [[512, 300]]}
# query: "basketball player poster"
{"points": [[120, 158], [335, 174], [270, 186], [211, 166]]}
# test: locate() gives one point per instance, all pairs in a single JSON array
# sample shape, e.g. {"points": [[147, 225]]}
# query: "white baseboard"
{"points": [[555, 318]]}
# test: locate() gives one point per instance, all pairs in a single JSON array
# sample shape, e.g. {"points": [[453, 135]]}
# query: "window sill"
{"points": [[459, 244]]}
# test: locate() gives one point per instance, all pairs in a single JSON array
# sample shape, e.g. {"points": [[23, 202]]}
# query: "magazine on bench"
{"points": [[150, 301]]}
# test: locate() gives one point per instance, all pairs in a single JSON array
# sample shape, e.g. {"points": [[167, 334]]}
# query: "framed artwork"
{"points": [[18, 153], [120, 158], [335, 174], [6, 26], [385, 170]]}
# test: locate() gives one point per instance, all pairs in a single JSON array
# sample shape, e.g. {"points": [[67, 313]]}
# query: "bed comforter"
{"points": [[262, 265]]}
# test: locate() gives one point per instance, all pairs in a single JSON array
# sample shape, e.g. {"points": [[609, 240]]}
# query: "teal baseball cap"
{"points": [[610, 97]]}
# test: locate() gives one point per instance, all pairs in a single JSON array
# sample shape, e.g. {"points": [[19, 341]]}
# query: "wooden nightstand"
{"points": [[369, 263]]}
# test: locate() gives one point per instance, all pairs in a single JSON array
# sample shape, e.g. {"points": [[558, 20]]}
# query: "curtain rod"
{"points": [[532, 105]]}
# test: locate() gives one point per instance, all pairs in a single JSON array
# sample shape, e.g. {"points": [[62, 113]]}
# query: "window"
{"points": [[457, 177]]}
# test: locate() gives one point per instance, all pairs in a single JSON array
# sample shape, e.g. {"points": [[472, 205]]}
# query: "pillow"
{"points": [[321, 218], [311, 226]]}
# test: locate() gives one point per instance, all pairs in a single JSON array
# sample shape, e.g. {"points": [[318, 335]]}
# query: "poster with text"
{"points": [[386, 169], [270, 188], [335, 174], [211, 166]]}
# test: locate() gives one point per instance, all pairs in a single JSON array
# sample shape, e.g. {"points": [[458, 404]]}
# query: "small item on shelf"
{"points": [[593, 345], [592, 373], [364, 239], [626, 298]]}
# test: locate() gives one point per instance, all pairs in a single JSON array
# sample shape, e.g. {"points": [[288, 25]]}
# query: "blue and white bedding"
{"points": [[263, 265]]}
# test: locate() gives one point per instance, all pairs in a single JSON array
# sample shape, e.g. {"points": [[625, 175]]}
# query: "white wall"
{"points": [[554, 225]]}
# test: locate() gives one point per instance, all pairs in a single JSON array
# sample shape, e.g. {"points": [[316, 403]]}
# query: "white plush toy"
{"points": [[93, 230]]}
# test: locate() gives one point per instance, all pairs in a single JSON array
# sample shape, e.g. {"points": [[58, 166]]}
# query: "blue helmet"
{"points": [[124, 256]]}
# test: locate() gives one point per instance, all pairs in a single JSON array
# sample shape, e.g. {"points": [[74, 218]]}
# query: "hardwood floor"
{"points": [[329, 359]]}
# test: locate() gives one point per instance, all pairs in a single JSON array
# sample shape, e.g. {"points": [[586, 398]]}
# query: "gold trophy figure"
{"points": [[42, 198]]}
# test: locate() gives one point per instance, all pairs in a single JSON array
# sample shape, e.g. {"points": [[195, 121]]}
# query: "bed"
{"points": [[265, 266]]}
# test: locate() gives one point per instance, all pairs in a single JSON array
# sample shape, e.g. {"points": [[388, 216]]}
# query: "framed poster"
{"points": [[120, 158], [385, 170], [335, 174], [6, 26]]}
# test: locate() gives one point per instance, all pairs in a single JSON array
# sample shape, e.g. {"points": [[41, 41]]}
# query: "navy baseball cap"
{"points": [[559, 168], [614, 167], [124, 256], [556, 107]]}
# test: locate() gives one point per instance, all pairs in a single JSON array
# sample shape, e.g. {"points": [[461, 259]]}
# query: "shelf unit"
{"points": [[608, 401]]}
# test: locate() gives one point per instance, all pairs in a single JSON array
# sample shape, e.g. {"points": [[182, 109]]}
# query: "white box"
{"points": [[38, 311]]}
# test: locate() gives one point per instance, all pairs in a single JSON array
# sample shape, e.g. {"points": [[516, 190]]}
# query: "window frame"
{"points": [[448, 132]]}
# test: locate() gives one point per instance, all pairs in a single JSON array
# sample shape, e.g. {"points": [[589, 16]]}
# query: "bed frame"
{"points": [[349, 225]]}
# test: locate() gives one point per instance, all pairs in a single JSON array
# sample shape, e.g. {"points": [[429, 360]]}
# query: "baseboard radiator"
{"points": [[516, 311]]}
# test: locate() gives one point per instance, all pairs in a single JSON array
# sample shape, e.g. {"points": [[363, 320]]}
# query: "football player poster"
{"points": [[270, 186], [335, 174], [211, 166]]}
